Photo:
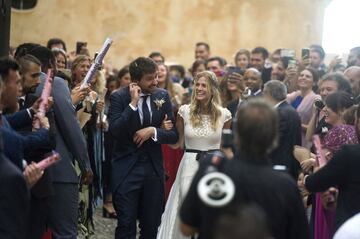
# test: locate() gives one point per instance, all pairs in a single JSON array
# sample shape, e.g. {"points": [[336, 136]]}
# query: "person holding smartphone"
{"points": [[317, 56], [232, 86]]}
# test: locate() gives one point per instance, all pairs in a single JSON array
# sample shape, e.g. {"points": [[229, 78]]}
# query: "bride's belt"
{"points": [[200, 154]]}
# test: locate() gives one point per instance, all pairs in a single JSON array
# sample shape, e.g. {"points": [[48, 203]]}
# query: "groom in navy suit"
{"points": [[135, 116]]}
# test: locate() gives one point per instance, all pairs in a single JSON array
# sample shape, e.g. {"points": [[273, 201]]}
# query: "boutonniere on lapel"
{"points": [[159, 103]]}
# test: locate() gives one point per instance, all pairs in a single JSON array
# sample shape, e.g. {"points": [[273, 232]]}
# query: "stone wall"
{"points": [[172, 26]]}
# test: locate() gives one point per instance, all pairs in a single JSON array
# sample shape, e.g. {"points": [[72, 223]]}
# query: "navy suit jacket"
{"points": [[14, 201], [16, 144], [289, 135], [70, 142], [124, 122]]}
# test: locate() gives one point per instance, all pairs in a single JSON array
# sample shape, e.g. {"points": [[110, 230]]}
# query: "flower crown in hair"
{"points": [[213, 77]]}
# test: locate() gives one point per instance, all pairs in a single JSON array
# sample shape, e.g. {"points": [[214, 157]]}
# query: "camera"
{"points": [[215, 188], [319, 104]]}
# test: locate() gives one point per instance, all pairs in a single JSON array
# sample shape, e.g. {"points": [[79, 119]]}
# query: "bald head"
{"points": [[353, 74], [252, 79]]}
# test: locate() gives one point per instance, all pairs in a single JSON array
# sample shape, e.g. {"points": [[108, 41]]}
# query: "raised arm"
{"points": [[120, 114]]}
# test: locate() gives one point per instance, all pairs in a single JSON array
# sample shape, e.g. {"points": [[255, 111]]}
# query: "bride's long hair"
{"points": [[212, 104]]}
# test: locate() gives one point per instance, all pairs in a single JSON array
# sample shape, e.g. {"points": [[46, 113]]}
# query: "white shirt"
{"points": [[277, 105], [27, 110], [139, 109]]}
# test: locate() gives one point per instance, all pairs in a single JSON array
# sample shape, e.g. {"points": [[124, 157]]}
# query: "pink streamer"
{"points": [[45, 98]]}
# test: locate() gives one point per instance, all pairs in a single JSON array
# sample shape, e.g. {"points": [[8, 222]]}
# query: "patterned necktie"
{"points": [[146, 112]]}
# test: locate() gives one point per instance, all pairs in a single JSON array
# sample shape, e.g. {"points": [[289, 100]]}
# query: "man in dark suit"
{"points": [[253, 82], [136, 114], [70, 144], [15, 144], [258, 59], [14, 199], [30, 70], [289, 127]]}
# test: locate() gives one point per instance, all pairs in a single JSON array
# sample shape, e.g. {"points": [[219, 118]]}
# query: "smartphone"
{"points": [[305, 53], [79, 46], [292, 63], [287, 53], [234, 69]]}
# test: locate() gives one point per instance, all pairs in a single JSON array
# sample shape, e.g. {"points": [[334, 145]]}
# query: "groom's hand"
{"points": [[134, 93], [142, 135]]}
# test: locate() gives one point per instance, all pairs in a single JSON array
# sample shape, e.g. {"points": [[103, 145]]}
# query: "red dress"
{"points": [[47, 235], [172, 158]]}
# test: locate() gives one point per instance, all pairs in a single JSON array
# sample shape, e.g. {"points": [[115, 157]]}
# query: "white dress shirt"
{"points": [[139, 109]]}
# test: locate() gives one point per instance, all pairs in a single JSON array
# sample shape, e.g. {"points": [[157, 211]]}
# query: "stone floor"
{"points": [[104, 227]]}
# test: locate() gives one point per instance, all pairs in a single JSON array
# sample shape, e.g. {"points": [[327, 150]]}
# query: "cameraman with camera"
{"points": [[253, 181], [330, 83]]}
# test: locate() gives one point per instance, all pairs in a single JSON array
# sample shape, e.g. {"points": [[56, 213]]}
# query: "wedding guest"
{"points": [[242, 59], [124, 77], [202, 51], [341, 172], [171, 156], [70, 144], [303, 99]]}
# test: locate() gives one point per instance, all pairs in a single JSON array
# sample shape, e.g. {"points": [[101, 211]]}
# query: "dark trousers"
{"points": [[39, 212], [64, 211], [139, 196]]}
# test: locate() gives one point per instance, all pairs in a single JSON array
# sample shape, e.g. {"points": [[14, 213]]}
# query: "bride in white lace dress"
{"points": [[200, 125]]}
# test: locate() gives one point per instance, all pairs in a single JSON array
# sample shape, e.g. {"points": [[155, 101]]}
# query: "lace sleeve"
{"points": [[227, 114], [182, 110]]}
